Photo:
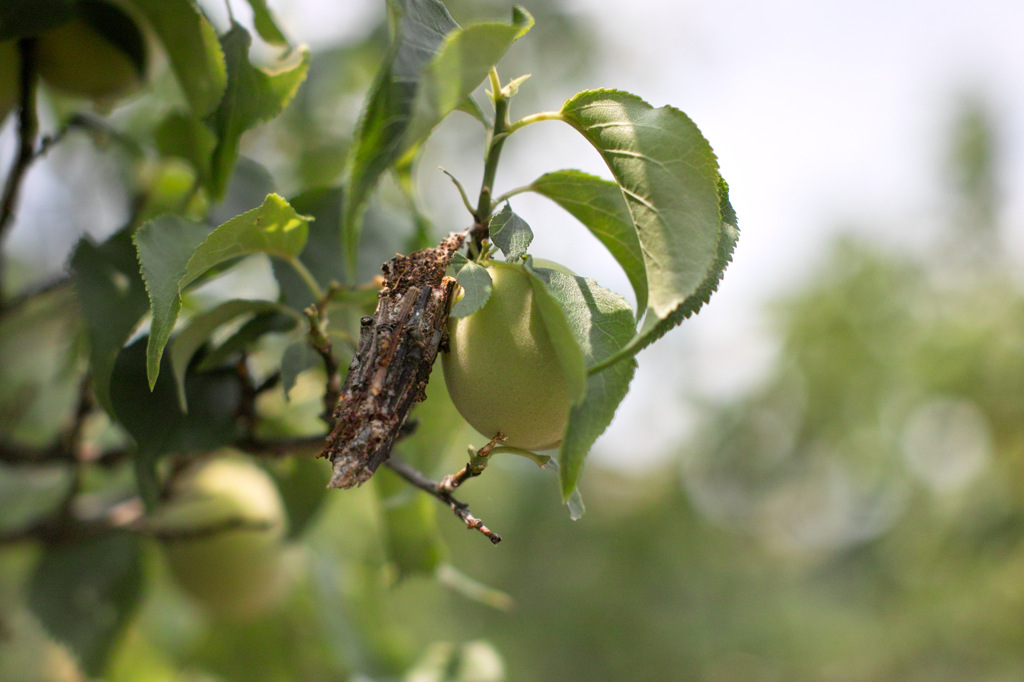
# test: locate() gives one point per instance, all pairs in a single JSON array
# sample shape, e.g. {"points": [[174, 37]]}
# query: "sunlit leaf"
{"points": [[175, 253], [600, 206], [669, 177]]}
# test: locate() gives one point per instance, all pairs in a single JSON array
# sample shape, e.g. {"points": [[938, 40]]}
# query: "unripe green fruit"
{"points": [[235, 571], [100, 54], [502, 371], [10, 77]]}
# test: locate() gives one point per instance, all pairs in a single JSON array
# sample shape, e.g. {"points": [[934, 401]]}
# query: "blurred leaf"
{"points": [[460, 65], [432, 68], [476, 289], [187, 137], [669, 177], [297, 358], [600, 206], [560, 323], [172, 257], [510, 233], [379, 141], [265, 23], [728, 235], [154, 418], [112, 298], [26, 18], [85, 592], [42, 369], [410, 525], [117, 27], [601, 322], [302, 481], [198, 331], [192, 47], [252, 96]]}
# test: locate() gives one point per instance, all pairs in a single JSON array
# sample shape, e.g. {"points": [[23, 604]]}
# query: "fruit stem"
{"points": [[495, 140]]}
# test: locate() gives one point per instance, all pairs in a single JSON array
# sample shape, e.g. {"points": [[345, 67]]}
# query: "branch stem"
{"points": [[460, 509], [28, 131]]}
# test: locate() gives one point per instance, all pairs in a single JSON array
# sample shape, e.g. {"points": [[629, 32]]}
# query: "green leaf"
{"points": [[322, 254], [559, 324], [165, 246], [265, 23], [192, 48], [431, 69], [117, 27], [154, 419], [112, 298], [654, 329], [251, 97], [600, 206], [175, 253], [460, 65], [601, 322], [296, 359], [85, 592], [476, 289], [510, 233], [27, 18], [412, 539], [199, 330], [669, 177], [419, 26]]}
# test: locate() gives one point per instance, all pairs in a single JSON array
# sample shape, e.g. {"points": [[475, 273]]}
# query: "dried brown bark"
{"points": [[389, 373]]}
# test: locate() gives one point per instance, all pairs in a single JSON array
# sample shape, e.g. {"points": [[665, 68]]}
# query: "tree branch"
{"points": [[442, 491], [389, 372]]}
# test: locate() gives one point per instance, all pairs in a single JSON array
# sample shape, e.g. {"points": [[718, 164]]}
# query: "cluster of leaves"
{"points": [[171, 372]]}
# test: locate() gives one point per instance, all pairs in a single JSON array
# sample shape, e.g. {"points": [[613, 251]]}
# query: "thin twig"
{"points": [[477, 463], [416, 478], [28, 130], [316, 315]]}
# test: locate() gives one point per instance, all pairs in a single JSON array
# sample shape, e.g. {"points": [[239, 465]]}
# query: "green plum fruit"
{"points": [[502, 370], [222, 532], [100, 54]]}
